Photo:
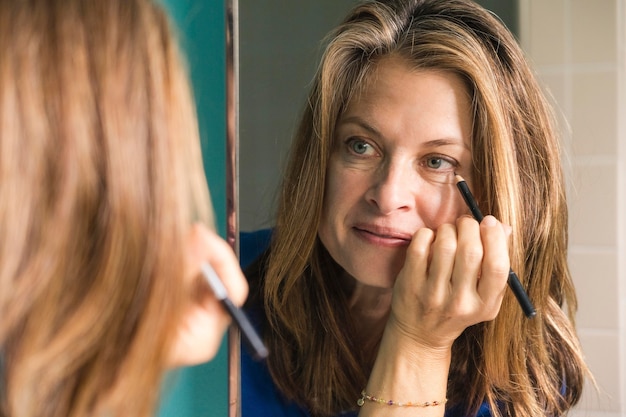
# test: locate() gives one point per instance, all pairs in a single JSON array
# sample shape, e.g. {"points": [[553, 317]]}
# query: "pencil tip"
{"points": [[458, 178]]}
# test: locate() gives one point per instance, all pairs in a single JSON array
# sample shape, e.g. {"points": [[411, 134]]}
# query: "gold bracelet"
{"points": [[365, 396]]}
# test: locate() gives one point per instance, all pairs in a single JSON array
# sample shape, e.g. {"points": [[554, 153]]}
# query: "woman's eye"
{"points": [[360, 147], [438, 169], [436, 162]]}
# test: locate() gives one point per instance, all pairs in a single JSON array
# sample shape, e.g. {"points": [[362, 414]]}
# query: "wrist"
{"points": [[405, 342], [406, 371], [404, 356]]}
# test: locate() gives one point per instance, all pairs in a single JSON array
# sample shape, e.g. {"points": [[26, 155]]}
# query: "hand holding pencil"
{"points": [[514, 283], [216, 290]]}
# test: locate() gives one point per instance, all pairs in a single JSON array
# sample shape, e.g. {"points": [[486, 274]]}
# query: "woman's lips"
{"points": [[383, 236]]}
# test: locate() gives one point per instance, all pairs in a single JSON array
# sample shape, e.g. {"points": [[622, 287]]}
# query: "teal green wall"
{"points": [[202, 390], [201, 29]]}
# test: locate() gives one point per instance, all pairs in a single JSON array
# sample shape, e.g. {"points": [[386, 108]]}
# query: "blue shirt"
{"points": [[261, 398]]}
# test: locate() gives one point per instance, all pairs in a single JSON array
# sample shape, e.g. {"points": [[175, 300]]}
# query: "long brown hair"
{"points": [[101, 177], [521, 367]]}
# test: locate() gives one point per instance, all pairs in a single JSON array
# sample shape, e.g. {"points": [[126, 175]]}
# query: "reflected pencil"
{"points": [[513, 281], [250, 336]]}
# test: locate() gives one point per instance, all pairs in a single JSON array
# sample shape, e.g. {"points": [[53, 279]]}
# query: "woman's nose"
{"points": [[392, 188]]}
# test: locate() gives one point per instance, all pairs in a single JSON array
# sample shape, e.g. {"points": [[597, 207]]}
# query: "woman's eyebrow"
{"points": [[439, 142], [445, 142], [361, 122]]}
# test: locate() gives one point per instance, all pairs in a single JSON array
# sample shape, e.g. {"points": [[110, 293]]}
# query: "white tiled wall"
{"points": [[578, 48]]}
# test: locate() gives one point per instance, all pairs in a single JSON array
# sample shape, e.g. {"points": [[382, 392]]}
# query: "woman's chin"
{"points": [[380, 277]]}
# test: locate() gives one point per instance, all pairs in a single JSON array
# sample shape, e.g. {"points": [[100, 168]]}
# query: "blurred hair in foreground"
{"points": [[101, 177]]}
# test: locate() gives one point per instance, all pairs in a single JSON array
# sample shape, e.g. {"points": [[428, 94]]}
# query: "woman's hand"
{"points": [[451, 279], [205, 320]]}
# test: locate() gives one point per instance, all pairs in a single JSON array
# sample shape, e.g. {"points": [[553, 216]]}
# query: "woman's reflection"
{"points": [[376, 284]]}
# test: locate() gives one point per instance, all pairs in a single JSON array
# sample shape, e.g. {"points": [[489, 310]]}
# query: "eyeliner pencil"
{"points": [[514, 284], [250, 336]]}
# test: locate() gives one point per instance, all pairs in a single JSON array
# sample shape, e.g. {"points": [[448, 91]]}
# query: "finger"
{"points": [[495, 265], [206, 246], [418, 253], [412, 278], [442, 263], [469, 255]]}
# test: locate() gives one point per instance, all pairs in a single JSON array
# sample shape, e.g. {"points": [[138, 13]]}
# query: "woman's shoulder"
{"points": [[252, 245], [253, 251]]}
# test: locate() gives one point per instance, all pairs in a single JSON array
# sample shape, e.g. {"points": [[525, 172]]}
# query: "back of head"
{"points": [[101, 177]]}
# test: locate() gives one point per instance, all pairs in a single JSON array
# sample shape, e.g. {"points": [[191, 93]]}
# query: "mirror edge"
{"points": [[232, 189]]}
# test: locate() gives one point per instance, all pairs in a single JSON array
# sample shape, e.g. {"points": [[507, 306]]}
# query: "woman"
{"points": [[102, 190], [377, 285]]}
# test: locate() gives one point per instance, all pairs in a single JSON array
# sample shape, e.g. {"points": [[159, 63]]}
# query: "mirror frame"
{"points": [[232, 189]]}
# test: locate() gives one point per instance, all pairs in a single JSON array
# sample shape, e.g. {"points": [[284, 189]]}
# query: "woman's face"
{"points": [[397, 147]]}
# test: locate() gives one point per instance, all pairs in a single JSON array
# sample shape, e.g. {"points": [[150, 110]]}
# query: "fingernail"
{"points": [[489, 221]]}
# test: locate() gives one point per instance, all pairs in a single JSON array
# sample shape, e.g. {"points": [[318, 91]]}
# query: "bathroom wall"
{"points": [[578, 49], [280, 45]]}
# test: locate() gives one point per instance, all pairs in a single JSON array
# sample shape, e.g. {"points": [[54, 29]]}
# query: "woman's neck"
{"points": [[369, 305], [369, 308]]}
